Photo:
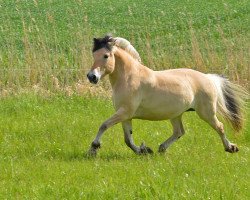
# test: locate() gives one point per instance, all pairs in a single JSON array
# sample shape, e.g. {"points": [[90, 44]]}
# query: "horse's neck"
{"points": [[125, 66]]}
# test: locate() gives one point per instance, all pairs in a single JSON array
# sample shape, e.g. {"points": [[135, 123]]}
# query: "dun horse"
{"points": [[141, 93]]}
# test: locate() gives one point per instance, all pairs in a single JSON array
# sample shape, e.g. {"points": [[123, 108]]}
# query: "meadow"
{"points": [[49, 113], [43, 155]]}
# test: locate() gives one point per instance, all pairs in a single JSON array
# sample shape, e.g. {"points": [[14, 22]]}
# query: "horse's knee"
{"points": [[181, 133], [182, 130], [178, 129]]}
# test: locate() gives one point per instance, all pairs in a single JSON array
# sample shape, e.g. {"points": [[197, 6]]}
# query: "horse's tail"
{"points": [[231, 101]]}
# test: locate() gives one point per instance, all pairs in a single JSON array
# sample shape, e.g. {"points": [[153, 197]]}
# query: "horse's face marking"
{"points": [[104, 63]]}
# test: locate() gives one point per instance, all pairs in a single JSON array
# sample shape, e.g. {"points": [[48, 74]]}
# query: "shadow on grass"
{"points": [[104, 156]]}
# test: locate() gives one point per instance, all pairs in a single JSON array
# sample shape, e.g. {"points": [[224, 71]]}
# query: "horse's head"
{"points": [[104, 59]]}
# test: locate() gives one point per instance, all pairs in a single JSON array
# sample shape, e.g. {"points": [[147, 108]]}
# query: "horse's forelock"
{"points": [[104, 42]]}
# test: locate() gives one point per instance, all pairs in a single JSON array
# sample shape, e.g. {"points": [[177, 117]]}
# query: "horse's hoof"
{"points": [[145, 150], [161, 149], [232, 148], [91, 153]]}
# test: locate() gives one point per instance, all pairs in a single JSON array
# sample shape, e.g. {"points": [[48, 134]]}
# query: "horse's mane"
{"points": [[125, 45], [108, 42]]}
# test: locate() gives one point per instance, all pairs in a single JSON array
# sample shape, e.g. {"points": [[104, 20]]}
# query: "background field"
{"points": [[43, 38], [49, 113]]}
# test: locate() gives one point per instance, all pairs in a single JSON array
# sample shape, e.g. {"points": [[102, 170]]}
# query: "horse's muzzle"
{"points": [[92, 78]]}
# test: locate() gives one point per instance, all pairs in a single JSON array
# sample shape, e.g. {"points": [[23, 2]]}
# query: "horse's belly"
{"points": [[154, 116], [160, 110]]}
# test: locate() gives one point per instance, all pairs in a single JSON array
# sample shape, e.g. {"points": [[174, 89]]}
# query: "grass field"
{"points": [[49, 114], [43, 144]]}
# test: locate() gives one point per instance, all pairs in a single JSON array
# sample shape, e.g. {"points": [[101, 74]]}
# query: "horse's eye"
{"points": [[105, 56]]}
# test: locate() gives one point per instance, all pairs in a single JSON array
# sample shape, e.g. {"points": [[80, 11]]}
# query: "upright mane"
{"points": [[125, 45], [108, 42]]}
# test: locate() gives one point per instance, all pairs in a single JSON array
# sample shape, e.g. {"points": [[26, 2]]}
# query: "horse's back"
{"points": [[183, 77]]}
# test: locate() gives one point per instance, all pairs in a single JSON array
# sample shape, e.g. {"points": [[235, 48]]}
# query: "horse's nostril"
{"points": [[92, 78]]}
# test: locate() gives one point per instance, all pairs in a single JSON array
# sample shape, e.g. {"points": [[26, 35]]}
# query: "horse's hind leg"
{"points": [[210, 117], [178, 131], [127, 128]]}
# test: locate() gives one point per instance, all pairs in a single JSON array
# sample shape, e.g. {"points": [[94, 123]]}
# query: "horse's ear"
{"points": [[95, 40], [108, 37], [111, 43]]}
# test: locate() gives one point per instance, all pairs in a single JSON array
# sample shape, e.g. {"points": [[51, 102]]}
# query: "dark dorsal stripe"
{"points": [[103, 43]]}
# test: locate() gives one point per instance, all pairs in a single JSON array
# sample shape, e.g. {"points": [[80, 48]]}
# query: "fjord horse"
{"points": [[141, 93]]}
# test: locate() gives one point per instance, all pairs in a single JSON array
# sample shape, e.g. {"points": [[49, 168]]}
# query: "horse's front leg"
{"points": [[119, 116], [127, 129]]}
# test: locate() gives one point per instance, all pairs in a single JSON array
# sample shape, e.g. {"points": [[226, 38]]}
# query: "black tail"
{"points": [[234, 97]]}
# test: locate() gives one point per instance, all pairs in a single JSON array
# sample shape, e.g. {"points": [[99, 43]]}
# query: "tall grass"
{"points": [[46, 45]]}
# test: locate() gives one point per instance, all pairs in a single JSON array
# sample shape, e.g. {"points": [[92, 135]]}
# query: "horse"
{"points": [[138, 92]]}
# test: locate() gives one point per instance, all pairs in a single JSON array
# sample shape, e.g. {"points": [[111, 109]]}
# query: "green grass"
{"points": [[44, 38], [43, 141]]}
